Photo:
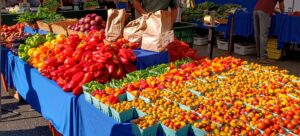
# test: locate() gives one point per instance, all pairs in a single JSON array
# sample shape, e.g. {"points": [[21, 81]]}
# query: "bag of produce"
{"points": [[115, 24], [134, 30], [157, 35]]}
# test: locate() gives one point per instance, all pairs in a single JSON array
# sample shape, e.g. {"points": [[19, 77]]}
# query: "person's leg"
{"points": [[265, 22], [256, 32]]}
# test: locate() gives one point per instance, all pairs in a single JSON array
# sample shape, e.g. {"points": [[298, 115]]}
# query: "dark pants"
{"points": [[262, 22]]}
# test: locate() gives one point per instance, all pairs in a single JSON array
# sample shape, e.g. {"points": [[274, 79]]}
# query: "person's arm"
{"points": [[174, 12], [281, 6], [174, 5], [137, 4]]}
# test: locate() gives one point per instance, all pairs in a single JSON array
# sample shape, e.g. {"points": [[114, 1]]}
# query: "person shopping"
{"points": [[146, 6], [262, 21]]}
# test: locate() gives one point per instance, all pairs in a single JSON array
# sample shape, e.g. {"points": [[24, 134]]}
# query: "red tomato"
{"points": [[261, 125]]}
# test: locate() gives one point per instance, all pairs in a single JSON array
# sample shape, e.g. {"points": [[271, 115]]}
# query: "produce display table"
{"points": [[64, 109], [41, 93], [46, 97], [11, 19]]}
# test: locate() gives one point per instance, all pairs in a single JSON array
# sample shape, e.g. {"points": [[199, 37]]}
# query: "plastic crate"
{"points": [[198, 132], [122, 117], [222, 45], [180, 132], [138, 113], [244, 50], [96, 102], [150, 131], [88, 97], [129, 96], [200, 41], [105, 109], [185, 32], [146, 100], [122, 97], [274, 53]]}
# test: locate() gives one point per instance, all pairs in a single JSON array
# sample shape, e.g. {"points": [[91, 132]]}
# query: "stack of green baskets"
{"points": [[185, 32]]}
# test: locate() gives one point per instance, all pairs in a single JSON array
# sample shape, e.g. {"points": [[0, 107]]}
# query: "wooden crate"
{"points": [[61, 27], [44, 26], [75, 32]]}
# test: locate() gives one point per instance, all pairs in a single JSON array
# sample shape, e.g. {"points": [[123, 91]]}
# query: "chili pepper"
{"points": [[124, 60], [90, 47], [78, 54], [61, 82], [110, 66], [71, 72], [77, 90], [75, 80], [104, 78], [70, 61], [129, 68], [87, 78]]}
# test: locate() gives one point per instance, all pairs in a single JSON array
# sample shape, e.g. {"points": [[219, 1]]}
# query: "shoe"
{"points": [[266, 61]]}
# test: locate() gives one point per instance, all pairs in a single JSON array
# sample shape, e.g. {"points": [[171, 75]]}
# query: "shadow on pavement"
{"points": [[38, 131]]}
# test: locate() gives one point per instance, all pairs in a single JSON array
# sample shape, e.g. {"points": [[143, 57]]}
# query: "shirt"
{"points": [[155, 5], [266, 5]]}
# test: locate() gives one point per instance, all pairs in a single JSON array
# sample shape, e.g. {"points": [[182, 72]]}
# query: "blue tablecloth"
{"points": [[29, 30], [41, 93], [93, 122], [243, 23], [149, 58], [289, 29]]}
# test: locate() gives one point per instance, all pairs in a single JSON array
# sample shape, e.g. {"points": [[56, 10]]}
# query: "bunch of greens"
{"points": [[26, 17], [153, 71], [47, 16], [222, 11], [90, 4], [42, 14], [51, 4]]}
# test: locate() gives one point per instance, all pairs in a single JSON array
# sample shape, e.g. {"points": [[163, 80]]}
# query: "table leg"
{"points": [[4, 83], [54, 132], [211, 39], [230, 43]]}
